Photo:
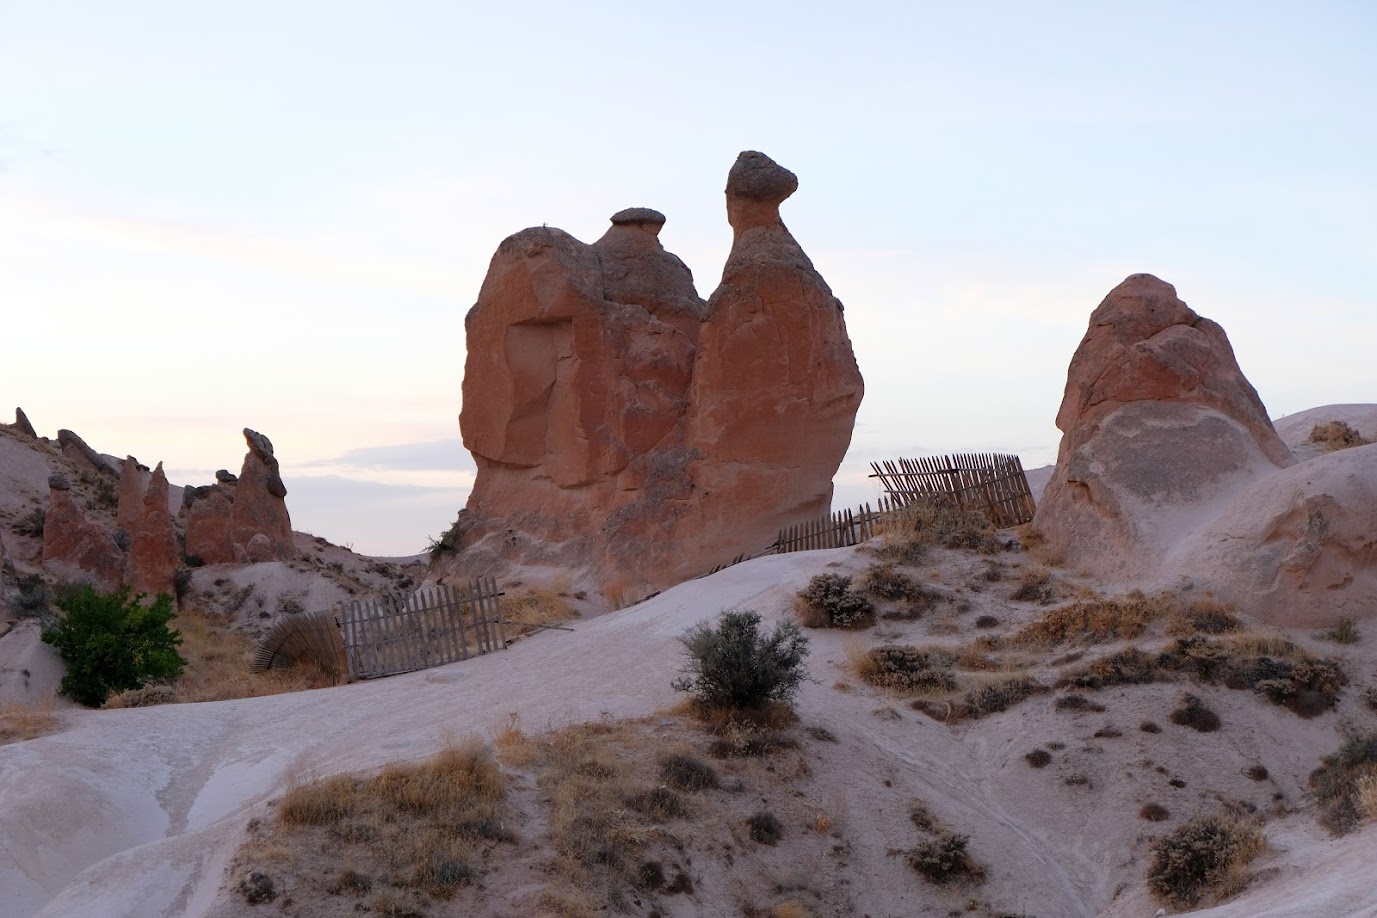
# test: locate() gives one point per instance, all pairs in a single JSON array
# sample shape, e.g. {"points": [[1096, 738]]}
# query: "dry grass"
{"points": [[20, 722], [1035, 585], [525, 611], [910, 532], [905, 668], [1336, 435], [514, 747], [1096, 621], [218, 668], [418, 828], [1204, 616]]}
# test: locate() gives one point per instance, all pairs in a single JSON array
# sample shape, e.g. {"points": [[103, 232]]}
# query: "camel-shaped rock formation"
{"points": [[630, 435]]}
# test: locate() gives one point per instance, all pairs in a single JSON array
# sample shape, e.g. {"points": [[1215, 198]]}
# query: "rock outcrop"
{"points": [[21, 424], [83, 456], [628, 434], [129, 494], [223, 518], [75, 547], [1297, 548], [776, 387], [1160, 430], [151, 564]]}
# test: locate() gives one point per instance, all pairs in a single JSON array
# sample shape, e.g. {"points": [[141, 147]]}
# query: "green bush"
{"points": [[112, 643], [733, 665]]}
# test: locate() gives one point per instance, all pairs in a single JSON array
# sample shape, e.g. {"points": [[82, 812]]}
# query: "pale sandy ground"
{"points": [[137, 812]]}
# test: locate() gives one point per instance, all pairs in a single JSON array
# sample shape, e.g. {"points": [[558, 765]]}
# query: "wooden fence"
{"points": [[440, 625], [840, 530], [986, 482], [395, 634], [312, 636]]}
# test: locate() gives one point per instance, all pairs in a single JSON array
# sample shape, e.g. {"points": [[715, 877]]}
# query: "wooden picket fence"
{"points": [[989, 483], [395, 634], [390, 635], [310, 636], [839, 530]]}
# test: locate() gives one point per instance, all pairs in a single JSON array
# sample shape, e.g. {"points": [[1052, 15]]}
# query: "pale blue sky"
{"points": [[276, 214]]}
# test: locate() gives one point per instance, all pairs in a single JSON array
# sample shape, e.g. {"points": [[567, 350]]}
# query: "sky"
{"points": [[275, 215]]}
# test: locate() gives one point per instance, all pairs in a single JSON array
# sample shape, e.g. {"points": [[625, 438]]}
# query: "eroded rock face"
{"points": [[133, 482], [776, 387], [151, 564], [1297, 548], [1160, 430], [222, 519], [75, 547], [77, 450], [622, 437]]}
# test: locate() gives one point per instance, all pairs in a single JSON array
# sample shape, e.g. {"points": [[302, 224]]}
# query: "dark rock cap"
{"points": [[225, 476], [634, 215], [58, 482], [758, 178]]}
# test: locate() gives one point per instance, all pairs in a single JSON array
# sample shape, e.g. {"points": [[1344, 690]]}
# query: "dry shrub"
{"points": [[1274, 667], [883, 581], [687, 773], [1370, 697], [1336, 435], [1256, 773], [525, 611], [829, 602], [911, 531], [1095, 621], [1345, 631], [1149, 726], [906, 668], [982, 700], [765, 828], [1193, 713], [1125, 667], [1038, 758], [1035, 586], [1204, 616], [1078, 703], [19, 722], [1344, 783], [218, 667], [944, 860], [1154, 812], [1205, 856], [986, 621]]}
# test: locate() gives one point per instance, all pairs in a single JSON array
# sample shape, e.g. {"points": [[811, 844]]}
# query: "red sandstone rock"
{"points": [[776, 387], [614, 444], [75, 547], [133, 483], [152, 561], [1160, 430], [224, 518]]}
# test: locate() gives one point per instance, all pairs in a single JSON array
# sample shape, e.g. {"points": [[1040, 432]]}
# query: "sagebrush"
{"points": [[733, 664]]}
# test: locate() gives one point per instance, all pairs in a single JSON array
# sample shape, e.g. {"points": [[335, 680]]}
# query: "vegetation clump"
{"points": [[1344, 632], [1154, 812], [1035, 586], [1274, 667], [944, 859], [906, 668], [829, 602], [765, 828], [925, 523], [1205, 856], [1345, 784], [112, 642], [981, 701], [1095, 621], [1038, 758], [1194, 714], [1125, 667], [1336, 435], [734, 665]]}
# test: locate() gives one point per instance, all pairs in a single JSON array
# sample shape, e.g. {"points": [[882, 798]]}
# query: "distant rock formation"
{"points": [[21, 424], [222, 519], [629, 435], [83, 456], [151, 564], [1160, 429], [75, 547], [129, 494]]}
